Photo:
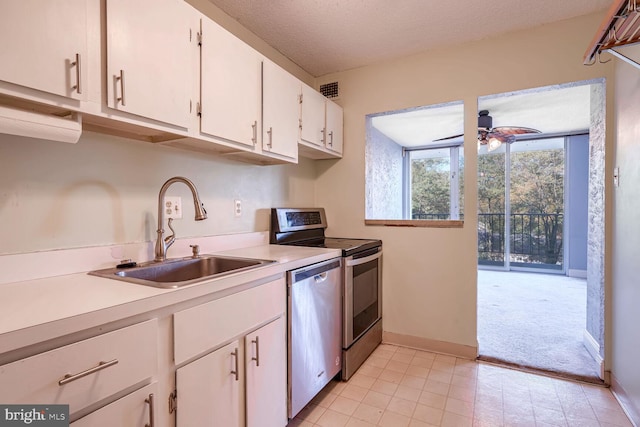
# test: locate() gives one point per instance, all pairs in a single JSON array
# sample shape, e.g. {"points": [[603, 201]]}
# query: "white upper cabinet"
{"points": [[149, 61], [230, 87], [333, 136], [44, 45], [281, 105], [320, 126], [312, 116]]}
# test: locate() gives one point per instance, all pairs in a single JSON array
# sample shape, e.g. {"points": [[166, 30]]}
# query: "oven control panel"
{"points": [[289, 219]]}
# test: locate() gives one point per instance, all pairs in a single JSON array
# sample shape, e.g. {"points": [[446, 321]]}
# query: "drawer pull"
{"points": [[257, 343], [72, 377], [149, 400], [234, 353]]}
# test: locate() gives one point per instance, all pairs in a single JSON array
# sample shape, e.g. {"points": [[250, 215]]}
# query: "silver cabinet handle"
{"points": [[149, 400], [234, 353], [331, 138], [257, 343], [72, 377], [254, 126], [121, 79], [324, 135], [270, 133], [76, 64]]}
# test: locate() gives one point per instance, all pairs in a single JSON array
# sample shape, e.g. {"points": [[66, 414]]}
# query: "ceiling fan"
{"points": [[494, 137]]}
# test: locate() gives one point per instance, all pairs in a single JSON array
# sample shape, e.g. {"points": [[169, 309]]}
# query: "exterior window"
{"points": [[434, 183]]}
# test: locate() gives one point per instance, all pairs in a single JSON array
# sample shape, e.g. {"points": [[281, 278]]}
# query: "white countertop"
{"points": [[34, 311]]}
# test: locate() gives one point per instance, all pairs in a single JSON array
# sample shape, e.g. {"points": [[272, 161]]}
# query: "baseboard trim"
{"points": [[593, 348], [622, 397], [435, 346], [582, 274]]}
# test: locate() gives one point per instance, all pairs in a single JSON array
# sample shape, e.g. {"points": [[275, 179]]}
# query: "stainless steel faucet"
{"points": [[163, 243]]}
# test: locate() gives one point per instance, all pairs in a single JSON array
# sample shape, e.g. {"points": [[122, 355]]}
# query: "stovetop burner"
{"points": [[348, 246], [305, 227]]}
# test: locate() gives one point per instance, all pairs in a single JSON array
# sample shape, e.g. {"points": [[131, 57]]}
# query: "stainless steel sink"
{"points": [[174, 273]]}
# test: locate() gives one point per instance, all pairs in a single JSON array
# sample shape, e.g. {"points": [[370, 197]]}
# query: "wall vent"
{"points": [[330, 90]]}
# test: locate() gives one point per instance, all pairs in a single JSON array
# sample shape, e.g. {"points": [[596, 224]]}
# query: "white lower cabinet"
{"points": [[86, 372], [228, 357], [137, 409], [266, 375], [209, 389], [242, 383]]}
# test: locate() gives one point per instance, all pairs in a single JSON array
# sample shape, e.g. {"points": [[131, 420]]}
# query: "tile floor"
{"points": [[401, 387]]}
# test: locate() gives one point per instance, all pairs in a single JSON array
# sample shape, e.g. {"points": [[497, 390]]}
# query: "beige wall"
{"points": [[430, 274], [104, 190], [625, 316]]}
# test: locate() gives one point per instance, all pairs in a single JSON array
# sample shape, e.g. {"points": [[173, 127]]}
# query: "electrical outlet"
{"points": [[237, 207], [173, 207]]}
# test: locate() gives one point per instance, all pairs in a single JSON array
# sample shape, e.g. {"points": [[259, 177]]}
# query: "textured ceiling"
{"points": [[325, 36]]}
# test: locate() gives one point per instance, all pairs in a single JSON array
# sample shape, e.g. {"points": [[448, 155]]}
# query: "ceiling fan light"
{"points": [[494, 144]]}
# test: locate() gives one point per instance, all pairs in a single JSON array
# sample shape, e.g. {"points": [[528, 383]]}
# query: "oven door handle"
{"points": [[354, 262]]}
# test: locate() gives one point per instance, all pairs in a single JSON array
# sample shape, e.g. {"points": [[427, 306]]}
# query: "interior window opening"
{"points": [[414, 164]]}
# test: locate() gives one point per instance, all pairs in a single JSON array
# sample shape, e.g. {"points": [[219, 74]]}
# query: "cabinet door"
{"points": [[280, 110], [312, 116], [44, 45], [149, 59], [133, 410], [334, 127], [209, 389], [230, 86], [266, 361]]}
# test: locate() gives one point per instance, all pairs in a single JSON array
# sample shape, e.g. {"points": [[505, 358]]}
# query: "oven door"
{"points": [[362, 293]]}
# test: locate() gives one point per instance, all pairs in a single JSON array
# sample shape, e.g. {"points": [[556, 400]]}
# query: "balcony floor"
{"points": [[536, 321]]}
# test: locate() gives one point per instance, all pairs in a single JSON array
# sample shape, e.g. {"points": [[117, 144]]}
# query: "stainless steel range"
{"points": [[361, 277]]}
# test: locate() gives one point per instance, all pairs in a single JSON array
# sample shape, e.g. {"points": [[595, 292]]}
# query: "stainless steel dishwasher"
{"points": [[314, 330]]}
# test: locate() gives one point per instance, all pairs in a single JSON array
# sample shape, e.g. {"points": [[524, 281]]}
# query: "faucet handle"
{"points": [[195, 250]]}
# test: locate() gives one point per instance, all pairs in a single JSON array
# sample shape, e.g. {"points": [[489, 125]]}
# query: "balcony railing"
{"points": [[535, 238]]}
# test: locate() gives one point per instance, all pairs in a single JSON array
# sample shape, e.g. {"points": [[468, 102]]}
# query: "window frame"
{"points": [[455, 148]]}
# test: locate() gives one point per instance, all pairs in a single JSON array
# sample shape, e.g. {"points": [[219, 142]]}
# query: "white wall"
{"points": [[626, 232], [104, 190], [430, 274]]}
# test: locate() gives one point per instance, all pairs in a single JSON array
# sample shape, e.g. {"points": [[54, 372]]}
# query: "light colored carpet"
{"points": [[534, 320]]}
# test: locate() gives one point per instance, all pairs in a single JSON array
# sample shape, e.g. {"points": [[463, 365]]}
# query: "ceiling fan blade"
{"points": [[502, 137], [514, 130], [449, 137]]}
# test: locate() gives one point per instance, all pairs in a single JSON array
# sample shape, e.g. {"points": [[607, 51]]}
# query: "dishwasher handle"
{"points": [[319, 278], [316, 271]]}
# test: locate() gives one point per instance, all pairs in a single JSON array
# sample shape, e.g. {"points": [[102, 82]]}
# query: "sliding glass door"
{"points": [[521, 205]]}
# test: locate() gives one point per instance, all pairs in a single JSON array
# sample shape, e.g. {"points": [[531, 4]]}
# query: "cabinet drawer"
{"points": [[133, 410], [36, 379], [208, 325]]}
